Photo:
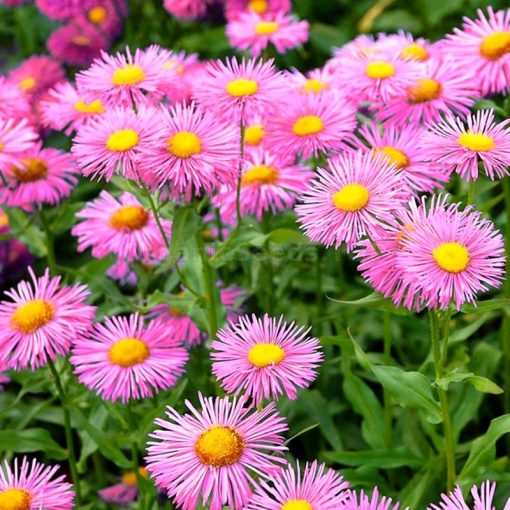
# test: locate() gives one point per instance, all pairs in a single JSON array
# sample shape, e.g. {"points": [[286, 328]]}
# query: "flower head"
{"points": [[454, 145], [265, 358], [212, 454], [41, 320], [121, 226], [363, 501], [32, 485], [57, 9], [292, 489], [13, 101], [239, 90], [186, 9], [106, 15], [483, 497], [16, 137], [124, 492], [351, 199], [234, 8], [125, 359]]}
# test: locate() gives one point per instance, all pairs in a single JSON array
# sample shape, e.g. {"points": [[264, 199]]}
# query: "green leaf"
{"points": [[410, 389], [483, 450], [382, 459], [485, 385], [374, 301], [185, 224], [238, 239], [288, 235], [31, 440], [485, 306]]}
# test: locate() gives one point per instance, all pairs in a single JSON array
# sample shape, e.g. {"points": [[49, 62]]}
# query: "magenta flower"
{"points": [[265, 358], [452, 256], [236, 91], [254, 32], [482, 499], [106, 15], [211, 455], [365, 502], [57, 9], [453, 145], [268, 184], [32, 485], [112, 143], [350, 199], [182, 69], [310, 124], [43, 176], [317, 487], [121, 226], [234, 8], [191, 153], [406, 47], [13, 101], [126, 359], [316, 81], [186, 9], [483, 47], [41, 320], [124, 492], [16, 137], [124, 79]]}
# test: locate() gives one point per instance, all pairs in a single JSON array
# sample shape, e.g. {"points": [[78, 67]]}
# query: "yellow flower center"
{"points": [[264, 354], [495, 45], [27, 83], [128, 75], [261, 174], [97, 15], [128, 352], [415, 52], [241, 87], [33, 169], [177, 66], [81, 40], [184, 144], [15, 499], [315, 86], [477, 142], [380, 70], [266, 27], [395, 156], [32, 315], [402, 235], [258, 6], [93, 107], [426, 89], [452, 257], [297, 504], [130, 478], [122, 140], [219, 446], [351, 198], [131, 217], [253, 134], [1, 146], [307, 125]]}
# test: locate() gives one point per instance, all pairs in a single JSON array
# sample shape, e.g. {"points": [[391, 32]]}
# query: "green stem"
{"points": [[388, 407], [240, 176], [210, 287], [135, 455], [50, 248], [471, 192], [439, 358], [505, 330], [155, 213], [69, 433]]}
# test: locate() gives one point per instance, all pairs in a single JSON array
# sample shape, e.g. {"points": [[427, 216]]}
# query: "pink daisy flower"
{"points": [[452, 256], [212, 454], [124, 492], [126, 359], [16, 137], [65, 109], [406, 47], [192, 152], [310, 124], [483, 46], [482, 499], [365, 502], [268, 184], [57, 9], [78, 43], [41, 320], [360, 47], [238, 91], [399, 146], [121, 226], [376, 78], [234, 8], [124, 79], [442, 88], [37, 74], [350, 199], [183, 69], [13, 102], [317, 487], [106, 15], [185, 329], [32, 486], [453, 145], [43, 176], [317, 81], [186, 9], [254, 133], [265, 358], [113, 142], [254, 32]]}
